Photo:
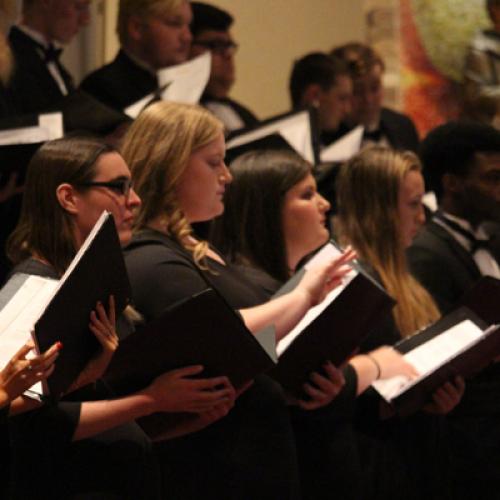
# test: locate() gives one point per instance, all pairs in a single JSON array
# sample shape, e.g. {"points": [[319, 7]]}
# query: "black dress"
{"points": [[410, 454], [46, 463], [249, 454], [328, 456]]}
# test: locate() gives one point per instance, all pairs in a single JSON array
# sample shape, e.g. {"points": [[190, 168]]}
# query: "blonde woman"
{"points": [[176, 154], [380, 211]]}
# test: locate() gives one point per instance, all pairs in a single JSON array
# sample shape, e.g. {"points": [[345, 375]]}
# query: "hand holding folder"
{"points": [[333, 329], [60, 310], [460, 343]]}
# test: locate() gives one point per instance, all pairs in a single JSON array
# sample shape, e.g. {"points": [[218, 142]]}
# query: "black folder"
{"points": [[336, 333], [16, 157], [484, 299], [202, 329], [83, 112], [465, 363], [99, 272]]}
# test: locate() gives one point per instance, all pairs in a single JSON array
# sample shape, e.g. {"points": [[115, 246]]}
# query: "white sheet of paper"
{"points": [[430, 356], [50, 126], [20, 314], [134, 109], [183, 83], [295, 129], [327, 253], [345, 148], [53, 124], [18, 317], [187, 81]]}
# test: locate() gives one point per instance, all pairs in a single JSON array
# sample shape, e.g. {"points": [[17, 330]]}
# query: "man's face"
{"points": [[368, 95], [65, 18], [165, 40], [222, 47], [335, 104], [480, 192]]}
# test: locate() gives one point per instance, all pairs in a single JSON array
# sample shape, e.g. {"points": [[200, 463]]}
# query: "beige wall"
{"points": [[271, 34]]}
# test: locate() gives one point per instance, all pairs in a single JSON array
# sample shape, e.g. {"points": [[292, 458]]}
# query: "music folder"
{"points": [[20, 137], [59, 310], [460, 343], [484, 298], [202, 329], [184, 82], [332, 330], [297, 129]]}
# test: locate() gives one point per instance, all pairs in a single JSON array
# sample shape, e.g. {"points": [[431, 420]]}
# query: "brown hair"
{"points": [[261, 180], [45, 228], [359, 57], [367, 196]]}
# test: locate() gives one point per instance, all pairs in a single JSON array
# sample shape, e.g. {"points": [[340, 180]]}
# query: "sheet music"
{"points": [[345, 148], [183, 83], [427, 357], [52, 123], [187, 81], [328, 252], [295, 129], [50, 126], [18, 317]]}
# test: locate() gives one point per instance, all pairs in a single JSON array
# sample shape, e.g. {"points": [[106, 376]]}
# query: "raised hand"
{"points": [[322, 279]]}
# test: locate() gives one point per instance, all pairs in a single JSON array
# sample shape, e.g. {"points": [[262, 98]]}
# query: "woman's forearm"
{"points": [[100, 416], [284, 313]]}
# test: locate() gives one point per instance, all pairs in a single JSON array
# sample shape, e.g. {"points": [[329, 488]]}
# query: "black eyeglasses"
{"points": [[121, 186], [217, 46]]}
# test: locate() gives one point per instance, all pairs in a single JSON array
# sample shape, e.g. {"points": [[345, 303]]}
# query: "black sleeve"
{"points": [[159, 279]]}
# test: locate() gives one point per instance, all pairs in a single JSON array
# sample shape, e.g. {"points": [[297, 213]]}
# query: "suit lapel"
{"points": [[456, 249]]}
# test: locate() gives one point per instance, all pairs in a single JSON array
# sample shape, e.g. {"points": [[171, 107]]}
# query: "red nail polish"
{"points": [[59, 345]]}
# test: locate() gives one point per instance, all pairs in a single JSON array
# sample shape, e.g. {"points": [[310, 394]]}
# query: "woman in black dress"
{"points": [[91, 445], [380, 210], [176, 154]]}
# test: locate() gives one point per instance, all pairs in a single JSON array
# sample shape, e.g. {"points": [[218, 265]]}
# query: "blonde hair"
{"points": [[368, 218], [157, 148], [143, 9]]}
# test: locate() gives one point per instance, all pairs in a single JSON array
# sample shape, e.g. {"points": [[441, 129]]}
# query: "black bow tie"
{"points": [[476, 243], [50, 53]]}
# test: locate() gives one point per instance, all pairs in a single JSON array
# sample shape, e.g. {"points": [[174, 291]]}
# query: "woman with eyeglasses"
{"points": [[88, 441]]}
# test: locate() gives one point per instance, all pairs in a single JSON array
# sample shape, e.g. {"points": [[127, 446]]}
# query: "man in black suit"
{"points": [[324, 83], [448, 257], [462, 165], [382, 125], [40, 81], [211, 29], [154, 34]]}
